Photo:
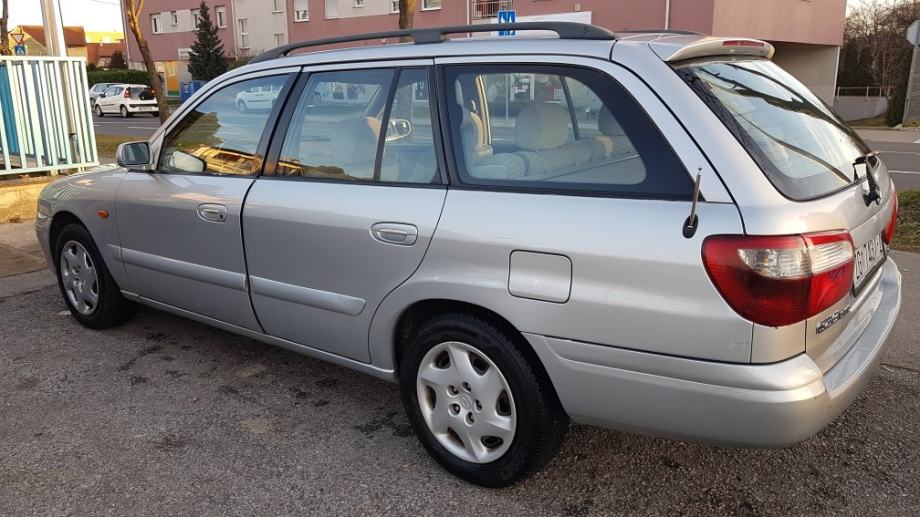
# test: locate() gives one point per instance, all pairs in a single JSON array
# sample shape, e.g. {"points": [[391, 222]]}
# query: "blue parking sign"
{"points": [[507, 17]]}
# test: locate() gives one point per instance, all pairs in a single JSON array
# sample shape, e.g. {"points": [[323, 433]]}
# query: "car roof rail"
{"points": [[565, 30]]}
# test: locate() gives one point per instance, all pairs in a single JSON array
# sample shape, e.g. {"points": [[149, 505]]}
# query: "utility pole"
{"points": [[54, 28], [912, 109]]}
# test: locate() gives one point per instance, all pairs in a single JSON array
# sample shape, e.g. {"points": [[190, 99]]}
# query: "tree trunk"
{"points": [[4, 30], [133, 12], [407, 15]]}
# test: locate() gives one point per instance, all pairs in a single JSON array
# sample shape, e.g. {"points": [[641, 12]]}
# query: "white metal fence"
{"points": [[45, 118]]}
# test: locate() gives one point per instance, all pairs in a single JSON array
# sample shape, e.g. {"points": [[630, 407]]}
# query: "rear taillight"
{"points": [[893, 222], [742, 43], [127, 93], [781, 280]]}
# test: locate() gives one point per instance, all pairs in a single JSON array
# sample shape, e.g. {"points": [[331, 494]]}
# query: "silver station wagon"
{"points": [[661, 233]]}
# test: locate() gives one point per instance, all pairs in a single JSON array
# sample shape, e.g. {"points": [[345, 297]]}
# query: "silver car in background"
{"points": [[662, 233]]}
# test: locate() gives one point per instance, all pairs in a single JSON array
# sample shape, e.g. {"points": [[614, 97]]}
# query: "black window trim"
{"points": [[259, 157], [452, 168], [284, 123]]}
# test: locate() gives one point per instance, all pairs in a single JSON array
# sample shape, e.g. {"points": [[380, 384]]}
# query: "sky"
{"points": [[98, 15]]}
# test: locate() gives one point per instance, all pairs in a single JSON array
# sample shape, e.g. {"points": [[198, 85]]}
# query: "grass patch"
{"points": [[107, 144], [907, 235], [878, 121]]}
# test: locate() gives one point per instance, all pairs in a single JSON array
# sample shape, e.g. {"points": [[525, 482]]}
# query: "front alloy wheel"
{"points": [[79, 278], [466, 402]]}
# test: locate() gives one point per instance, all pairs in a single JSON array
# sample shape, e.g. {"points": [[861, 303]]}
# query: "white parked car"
{"points": [[96, 91], [126, 99], [257, 97]]}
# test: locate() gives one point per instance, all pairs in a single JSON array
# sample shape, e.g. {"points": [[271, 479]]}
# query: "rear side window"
{"points": [[802, 146], [556, 128], [143, 93]]}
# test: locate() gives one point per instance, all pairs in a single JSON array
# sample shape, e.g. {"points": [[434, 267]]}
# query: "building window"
{"points": [[174, 16], [197, 15], [221, 16], [394, 6], [301, 11], [155, 26], [277, 6], [332, 9], [428, 5], [358, 3], [244, 33], [279, 40]]}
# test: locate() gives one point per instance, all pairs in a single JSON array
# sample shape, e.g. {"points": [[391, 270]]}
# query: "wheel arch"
{"points": [[421, 310], [58, 222]]}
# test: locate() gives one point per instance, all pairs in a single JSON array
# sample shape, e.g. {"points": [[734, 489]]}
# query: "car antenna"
{"points": [[692, 222]]}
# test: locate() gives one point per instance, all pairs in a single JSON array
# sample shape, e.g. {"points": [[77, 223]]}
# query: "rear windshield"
{"points": [[804, 148], [141, 93]]}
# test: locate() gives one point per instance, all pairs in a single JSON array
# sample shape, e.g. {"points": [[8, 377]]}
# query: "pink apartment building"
{"points": [[807, 34]]}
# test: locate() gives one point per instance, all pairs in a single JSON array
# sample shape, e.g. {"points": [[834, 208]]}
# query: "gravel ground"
{"points": [[168, 417]]}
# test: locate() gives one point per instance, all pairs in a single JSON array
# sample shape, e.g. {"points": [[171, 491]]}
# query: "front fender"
{"points": [[83, 196]]}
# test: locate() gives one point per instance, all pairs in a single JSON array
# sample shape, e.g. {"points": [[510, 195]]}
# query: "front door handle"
{"points": [[212, 212], [395, 233]]}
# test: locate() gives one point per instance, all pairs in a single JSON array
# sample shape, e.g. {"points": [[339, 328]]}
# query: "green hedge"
{"points": [[117, 76]]}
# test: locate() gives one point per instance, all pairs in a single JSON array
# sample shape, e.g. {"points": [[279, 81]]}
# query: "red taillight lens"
{"points": [[888, 235], [781, 280], [742, 43], [127, 93]]}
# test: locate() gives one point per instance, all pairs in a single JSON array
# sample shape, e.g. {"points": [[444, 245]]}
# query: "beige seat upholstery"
{"points": [[354, 149], [479, 157], [542, 132]]}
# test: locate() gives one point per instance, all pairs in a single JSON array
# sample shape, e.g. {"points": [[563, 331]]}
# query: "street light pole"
{"points": [[54, 28], [913, 36]]}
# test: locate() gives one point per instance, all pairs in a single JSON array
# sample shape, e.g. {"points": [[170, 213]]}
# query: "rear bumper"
{"points": [[744, 405]]}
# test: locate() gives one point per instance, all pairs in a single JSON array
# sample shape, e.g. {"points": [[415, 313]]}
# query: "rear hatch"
{"points": [[827, 174]]}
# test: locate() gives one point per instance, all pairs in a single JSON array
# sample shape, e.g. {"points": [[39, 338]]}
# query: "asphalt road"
{"points": [[903, 161], [142, 125], [163, 416]]}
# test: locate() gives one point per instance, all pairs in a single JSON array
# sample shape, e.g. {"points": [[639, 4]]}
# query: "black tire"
{"points": [[112, 309], [541, 422], [125, 113], [98, 109]]}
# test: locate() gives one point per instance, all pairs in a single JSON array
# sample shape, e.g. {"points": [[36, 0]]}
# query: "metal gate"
{"points": [[46, 123]]}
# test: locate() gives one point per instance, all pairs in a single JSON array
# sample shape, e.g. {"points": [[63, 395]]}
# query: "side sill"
{"points": [[369, 369]]}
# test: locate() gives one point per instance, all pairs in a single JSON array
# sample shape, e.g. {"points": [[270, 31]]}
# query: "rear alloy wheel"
{"points": [[98, 109], [124, 112], [481, 407]]}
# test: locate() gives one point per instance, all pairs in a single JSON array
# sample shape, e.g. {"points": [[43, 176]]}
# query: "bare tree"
{"points": [[4, 30], [133, 10], [875, 34]]}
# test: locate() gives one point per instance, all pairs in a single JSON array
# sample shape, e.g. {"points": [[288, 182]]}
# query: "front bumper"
{"points": [[747, 405], [43, 234]]}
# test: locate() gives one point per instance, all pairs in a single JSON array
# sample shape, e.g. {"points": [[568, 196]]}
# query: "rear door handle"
{"points": [[212, 212], [395, 233]]}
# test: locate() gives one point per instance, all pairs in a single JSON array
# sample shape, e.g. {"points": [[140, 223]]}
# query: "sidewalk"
{"points": [[19, 249], [900, 136]]}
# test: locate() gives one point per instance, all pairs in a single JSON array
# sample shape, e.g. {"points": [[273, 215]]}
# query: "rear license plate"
{"points": [[869, 256]]}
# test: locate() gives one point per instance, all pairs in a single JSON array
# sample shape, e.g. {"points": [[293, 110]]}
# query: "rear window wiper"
{"points": [[874, 190]]}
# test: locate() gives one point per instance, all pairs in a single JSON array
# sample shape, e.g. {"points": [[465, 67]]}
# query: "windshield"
{"points": [[143, 93], [804, 148]]}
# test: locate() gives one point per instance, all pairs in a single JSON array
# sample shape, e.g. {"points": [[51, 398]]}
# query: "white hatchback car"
{"points": [[126, 99]]}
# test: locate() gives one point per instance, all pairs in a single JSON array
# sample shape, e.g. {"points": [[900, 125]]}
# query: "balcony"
{"points": [[485, 11]]}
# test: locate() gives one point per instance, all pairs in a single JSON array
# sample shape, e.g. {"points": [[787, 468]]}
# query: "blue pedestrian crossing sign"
{"points": [[19, 50], [507, 17]]}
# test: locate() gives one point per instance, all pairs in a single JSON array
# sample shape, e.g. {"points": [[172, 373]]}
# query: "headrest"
{"points": [[355, 140], [607, 124], [542, 126]]}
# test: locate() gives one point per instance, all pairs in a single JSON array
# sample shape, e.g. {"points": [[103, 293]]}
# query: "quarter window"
{"points": [[335, 132], [558, 128], [221, 134]]}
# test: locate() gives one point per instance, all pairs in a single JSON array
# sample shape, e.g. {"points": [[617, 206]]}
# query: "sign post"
{"points": [[507, 17], [911, 109]]}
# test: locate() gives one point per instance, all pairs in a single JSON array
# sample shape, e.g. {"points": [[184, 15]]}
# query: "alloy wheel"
{"points": [[466, 402], [79, 277]]}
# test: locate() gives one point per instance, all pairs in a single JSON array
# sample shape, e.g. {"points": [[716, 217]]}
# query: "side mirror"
{"points": [[134, 155], [101, 95], [399, 128], [181, 161]]}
